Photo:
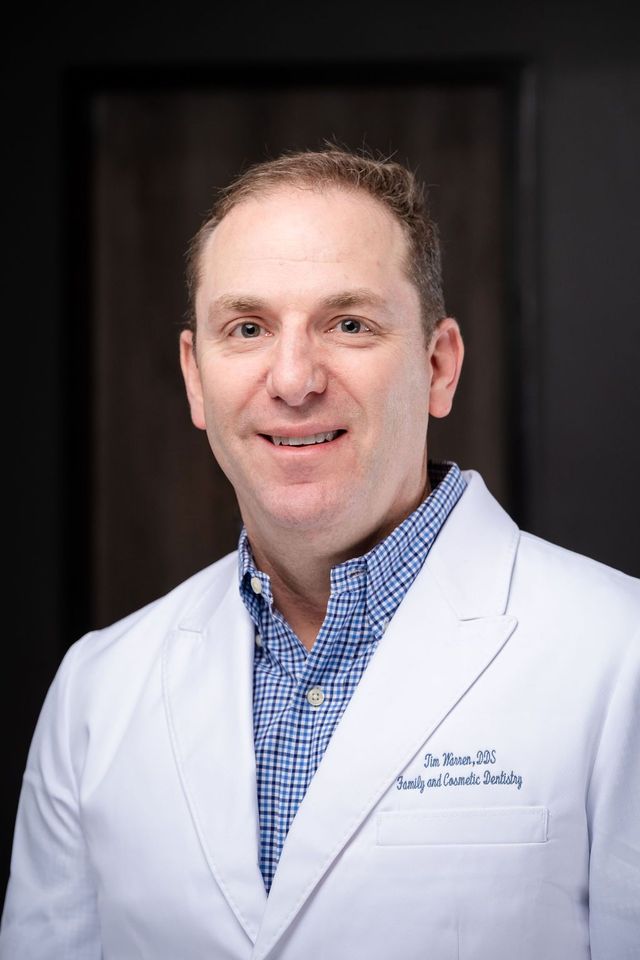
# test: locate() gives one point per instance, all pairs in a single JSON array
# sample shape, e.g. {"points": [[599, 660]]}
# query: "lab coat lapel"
{"points": [[208, 690], [441, 640]]}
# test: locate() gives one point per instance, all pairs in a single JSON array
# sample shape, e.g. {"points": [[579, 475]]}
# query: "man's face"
{"points": [[308, 330]]}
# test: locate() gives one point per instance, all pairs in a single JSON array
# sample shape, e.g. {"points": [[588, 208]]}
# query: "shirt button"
{"points": [[315, 696], [256, 586], [258, 640]]}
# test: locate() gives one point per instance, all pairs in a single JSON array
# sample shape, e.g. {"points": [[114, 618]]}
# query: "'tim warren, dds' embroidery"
{"points": [[488, 776]]}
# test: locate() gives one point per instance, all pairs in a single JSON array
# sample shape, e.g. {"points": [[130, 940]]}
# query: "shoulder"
{"points": [[111, 675], [139, 637], [562, 579], [580, 617], [491, 545], [557, 596]]}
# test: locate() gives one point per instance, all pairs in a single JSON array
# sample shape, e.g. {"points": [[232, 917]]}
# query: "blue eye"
{"points": [[350, 325], [249, 330]]}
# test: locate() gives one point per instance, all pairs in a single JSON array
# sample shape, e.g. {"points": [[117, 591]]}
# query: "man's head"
{"points": [[391, 184], [311, 373]]}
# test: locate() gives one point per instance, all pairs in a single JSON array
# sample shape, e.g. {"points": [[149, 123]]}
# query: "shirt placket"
{"points": [[306, 714]]}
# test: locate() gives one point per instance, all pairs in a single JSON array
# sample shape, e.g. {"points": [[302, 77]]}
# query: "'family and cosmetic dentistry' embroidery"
{"points": [[488, 777]]}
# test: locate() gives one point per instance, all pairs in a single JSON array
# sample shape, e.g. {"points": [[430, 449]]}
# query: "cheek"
{"points": [[224, 397], [219, 418], [407, 406], [230, 418], [398, 435]]}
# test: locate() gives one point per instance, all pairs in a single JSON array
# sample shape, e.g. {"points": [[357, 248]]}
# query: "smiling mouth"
{"points": [[311, 440]]}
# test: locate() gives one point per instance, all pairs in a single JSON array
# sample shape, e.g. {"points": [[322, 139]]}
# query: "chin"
{"points": [[303, 509]]}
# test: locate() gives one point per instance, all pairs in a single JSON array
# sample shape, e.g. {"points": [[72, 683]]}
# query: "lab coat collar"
{"points": [[473, 558], [208, 692]]}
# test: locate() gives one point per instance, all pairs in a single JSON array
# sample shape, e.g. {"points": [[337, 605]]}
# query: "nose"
{"points": [[297, 369]]}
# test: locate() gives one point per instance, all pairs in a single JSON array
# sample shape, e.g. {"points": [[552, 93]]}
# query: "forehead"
{"points": [[304, 232]]}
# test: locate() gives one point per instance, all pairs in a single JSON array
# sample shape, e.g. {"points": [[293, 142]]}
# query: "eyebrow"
{"points": [[228, 303], [343, 300], [354, 298]]}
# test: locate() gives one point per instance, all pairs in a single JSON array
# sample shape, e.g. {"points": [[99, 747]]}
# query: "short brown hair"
{"points": [[391, 183]]}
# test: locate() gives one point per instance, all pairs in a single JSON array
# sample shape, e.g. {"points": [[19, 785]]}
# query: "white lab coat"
{"points": [[479, 800]]}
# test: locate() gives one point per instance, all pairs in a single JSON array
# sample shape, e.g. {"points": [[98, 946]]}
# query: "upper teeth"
{"points": [[305, 441]]}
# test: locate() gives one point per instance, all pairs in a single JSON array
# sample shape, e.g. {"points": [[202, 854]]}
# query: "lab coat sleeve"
{"points": [[613, 807], [50, 911]]}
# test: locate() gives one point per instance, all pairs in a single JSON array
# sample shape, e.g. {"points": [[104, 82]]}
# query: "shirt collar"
{"points": [[387, 570]]}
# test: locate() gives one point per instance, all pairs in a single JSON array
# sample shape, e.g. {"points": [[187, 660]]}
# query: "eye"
{"points": [[351, 325], [248, 330]]}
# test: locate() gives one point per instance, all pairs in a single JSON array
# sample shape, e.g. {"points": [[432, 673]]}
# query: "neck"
{"points": [[300, 585], [299, 566]]}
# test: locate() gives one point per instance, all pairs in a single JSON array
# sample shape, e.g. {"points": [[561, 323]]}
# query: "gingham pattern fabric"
{"points": [[290, 734]]}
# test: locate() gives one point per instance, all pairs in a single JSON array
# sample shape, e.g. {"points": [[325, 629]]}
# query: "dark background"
{"points": [[583, 453]]}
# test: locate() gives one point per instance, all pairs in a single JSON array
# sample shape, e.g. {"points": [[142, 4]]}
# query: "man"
{"points": [[392, 725]]}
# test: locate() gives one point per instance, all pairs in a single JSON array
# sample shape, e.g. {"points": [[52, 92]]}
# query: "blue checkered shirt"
{"points": [[290, 734]]}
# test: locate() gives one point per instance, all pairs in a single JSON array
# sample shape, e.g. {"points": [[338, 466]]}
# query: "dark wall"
{"points": [[583, 427]]}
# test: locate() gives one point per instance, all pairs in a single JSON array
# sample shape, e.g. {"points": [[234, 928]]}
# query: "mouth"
{"points": [[304, 441]]}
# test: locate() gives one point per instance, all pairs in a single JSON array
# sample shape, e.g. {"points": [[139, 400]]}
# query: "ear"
{"points": [[192, 381], [446, 353]]}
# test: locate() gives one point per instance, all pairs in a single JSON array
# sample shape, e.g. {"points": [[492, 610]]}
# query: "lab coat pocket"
{"points": [[463, 825]]}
